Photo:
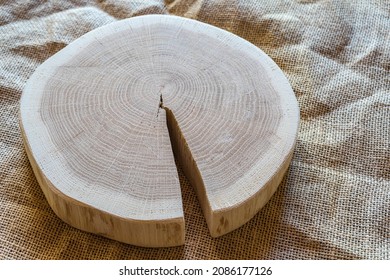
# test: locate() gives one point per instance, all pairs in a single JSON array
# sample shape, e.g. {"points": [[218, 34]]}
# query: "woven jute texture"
{"points": [[334, 202]]}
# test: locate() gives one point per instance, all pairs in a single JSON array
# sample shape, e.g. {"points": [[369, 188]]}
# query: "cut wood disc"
{"points": [[103, 119]]}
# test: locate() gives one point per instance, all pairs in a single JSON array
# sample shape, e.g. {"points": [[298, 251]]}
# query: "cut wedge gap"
{"points": [[187, 163]]}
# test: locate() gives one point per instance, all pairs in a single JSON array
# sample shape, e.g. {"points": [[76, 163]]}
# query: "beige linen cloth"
{"points": [[334, 202]]}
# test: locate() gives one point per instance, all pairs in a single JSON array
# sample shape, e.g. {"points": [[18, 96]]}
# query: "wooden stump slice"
{"points": [[103, 118]]}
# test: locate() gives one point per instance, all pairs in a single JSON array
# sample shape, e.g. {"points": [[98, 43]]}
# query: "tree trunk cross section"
{"points": [[103, 119]]}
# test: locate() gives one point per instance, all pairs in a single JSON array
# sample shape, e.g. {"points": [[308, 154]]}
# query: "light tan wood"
{"points": [[103, 118]]}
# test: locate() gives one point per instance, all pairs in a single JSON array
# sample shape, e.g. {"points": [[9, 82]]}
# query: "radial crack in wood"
{"points": [[184, 157], [105, 160]]}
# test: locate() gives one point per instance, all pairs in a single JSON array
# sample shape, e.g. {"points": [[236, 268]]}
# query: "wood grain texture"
{"points": [[103, 118]]}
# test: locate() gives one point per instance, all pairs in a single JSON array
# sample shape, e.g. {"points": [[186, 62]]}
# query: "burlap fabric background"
{"points": [[334, 203]]}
